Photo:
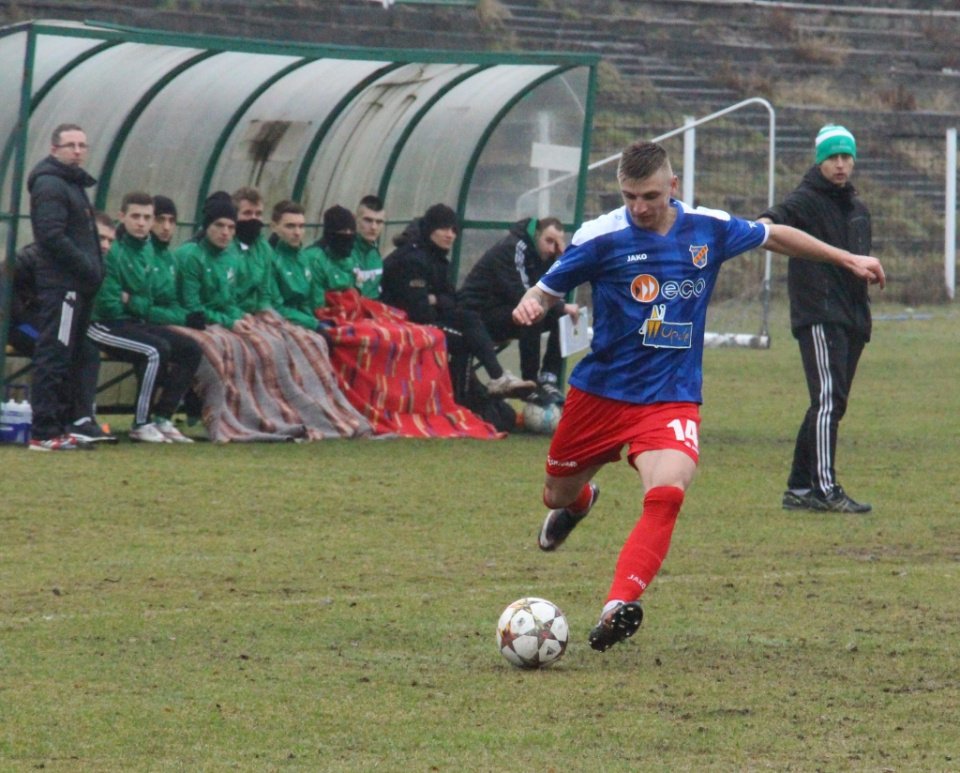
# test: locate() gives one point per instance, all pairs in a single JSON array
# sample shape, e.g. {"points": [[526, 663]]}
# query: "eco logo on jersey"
{"points": [[659, 333], [645, 288], [699, 255]]}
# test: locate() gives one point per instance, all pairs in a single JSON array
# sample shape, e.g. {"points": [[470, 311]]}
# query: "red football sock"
{"points": [[647, 545]]}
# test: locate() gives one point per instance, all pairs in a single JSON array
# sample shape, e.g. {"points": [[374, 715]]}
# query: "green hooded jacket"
{"points": [[208, 277]]}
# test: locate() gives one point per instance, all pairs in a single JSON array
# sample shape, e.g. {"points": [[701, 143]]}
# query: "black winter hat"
{"points": [[438, 216], [338, 218], [164, 206], [218, 205]]}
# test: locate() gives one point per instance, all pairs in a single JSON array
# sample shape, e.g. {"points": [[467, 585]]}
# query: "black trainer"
{"points": [[808, 501], [559, 523], [838, 501], [88, 431], [615, 625], [549, 392]]}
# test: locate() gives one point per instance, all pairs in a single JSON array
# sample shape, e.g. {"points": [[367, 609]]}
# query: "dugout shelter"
{"points": [[185, 115]]}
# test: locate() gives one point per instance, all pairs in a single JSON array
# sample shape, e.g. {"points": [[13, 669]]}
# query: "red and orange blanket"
{"points": [[395, 372]]}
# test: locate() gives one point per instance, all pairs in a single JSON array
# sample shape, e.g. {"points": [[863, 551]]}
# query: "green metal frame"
{"points": [[108, 35], [47, 87], [324, 128], [419, 116], [232, 124], [23, 124], [116, 147], [478, 150]]}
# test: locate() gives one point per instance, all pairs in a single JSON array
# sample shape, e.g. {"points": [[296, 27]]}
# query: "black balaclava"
{"points": [[338, 219]]}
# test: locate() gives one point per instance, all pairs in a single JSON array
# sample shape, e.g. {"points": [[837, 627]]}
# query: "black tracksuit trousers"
{"points": [[166, 362], [64, 363], [830, 354]]}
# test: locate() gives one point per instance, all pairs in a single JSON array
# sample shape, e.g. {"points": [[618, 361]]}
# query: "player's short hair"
{"points": [[104, 219], [246, 193], [371, 202], [285, 207], [641, 160], [64, 127], [546, 222], [140, 198]]}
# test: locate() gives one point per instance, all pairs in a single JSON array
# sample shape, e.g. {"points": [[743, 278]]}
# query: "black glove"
{"points": [[197, 320], [323, 328]]}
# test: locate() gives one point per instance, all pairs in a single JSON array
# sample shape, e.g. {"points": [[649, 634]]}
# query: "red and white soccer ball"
{"points": [[532, 633]]}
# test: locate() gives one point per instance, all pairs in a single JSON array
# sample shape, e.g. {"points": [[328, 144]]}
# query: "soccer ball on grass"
{"points": [[541, 419], [532, 633]]}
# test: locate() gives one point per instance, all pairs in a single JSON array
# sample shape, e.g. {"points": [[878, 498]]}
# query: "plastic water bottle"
{"points": [[16, 416]]}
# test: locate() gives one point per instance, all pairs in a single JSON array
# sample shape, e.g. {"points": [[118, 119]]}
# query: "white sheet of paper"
{"points": [[575, 338]]}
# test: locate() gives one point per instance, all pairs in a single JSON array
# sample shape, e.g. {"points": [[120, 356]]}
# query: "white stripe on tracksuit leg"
{"points": [[825, 413], [150, 373]]}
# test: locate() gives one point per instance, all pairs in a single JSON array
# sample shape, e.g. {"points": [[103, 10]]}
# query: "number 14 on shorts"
{"points": [[686, 432]]}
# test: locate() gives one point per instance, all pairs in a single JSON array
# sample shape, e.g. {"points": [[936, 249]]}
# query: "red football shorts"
{"points": [[593, 430]]}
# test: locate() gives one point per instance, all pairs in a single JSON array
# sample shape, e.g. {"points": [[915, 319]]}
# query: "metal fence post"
{"points": [[689, 161], [950, 239]]}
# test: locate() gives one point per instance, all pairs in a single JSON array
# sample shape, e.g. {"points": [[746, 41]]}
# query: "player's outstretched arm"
{"points": [[798, 244]]}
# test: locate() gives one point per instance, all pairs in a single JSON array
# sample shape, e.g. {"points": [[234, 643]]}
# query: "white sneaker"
{"points": [[170, 432], [509, 385], [148, 433]]}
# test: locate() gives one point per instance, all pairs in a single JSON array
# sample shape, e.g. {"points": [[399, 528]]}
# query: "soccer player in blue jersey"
{"points": [[652, 265]]}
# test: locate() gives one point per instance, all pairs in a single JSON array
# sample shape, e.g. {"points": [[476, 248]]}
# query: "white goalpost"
{"points": [[731, 321]]}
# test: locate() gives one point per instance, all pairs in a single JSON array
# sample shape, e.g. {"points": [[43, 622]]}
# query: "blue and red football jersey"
{"points": [[650, 296]]}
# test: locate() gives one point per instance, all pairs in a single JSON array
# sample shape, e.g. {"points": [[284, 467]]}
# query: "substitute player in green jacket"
{"points": [[334, 256], [208, 266], [370, 218], [136, 302], [296, 280], [256, 288]]}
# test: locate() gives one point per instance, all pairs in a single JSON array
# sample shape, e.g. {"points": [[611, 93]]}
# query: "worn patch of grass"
{"points": [[330, 607]]}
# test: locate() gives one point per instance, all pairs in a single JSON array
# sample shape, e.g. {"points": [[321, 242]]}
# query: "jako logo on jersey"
{"points": [[646, 288], [635, 258], [699, 255]]}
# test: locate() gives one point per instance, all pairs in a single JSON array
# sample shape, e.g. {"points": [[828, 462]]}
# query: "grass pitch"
{"points": [[331, 607]]}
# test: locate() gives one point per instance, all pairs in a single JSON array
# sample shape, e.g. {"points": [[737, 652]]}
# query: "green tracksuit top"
{"points": [[332, 273], [297, 286], [369, 268], [133, 267], [256, 287], [361, 269], [208, 278]]}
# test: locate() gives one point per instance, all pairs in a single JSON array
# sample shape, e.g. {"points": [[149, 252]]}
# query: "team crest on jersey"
{"points": [[699, 255], [659, 333], [645, 288]]}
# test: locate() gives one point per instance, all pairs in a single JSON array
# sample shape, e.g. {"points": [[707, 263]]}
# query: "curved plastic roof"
{"points": [[185, 115]]}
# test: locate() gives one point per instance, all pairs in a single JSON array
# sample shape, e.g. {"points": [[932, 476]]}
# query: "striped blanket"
{"points": [[395, 372], [273, 383]]}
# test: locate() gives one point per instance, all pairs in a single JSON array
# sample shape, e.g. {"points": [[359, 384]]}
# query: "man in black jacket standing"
{"points": [[498, 281], [68, 274], [829, 316]]}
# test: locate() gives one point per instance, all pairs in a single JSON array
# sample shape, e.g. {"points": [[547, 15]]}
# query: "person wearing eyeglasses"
{"points": [[69, 272]]}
